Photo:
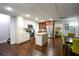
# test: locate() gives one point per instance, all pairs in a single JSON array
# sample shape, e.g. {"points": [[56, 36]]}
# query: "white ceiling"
{"points": [[41, 10]]}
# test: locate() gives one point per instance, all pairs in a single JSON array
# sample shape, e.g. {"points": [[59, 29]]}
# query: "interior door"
{"points": [[4, 27]]}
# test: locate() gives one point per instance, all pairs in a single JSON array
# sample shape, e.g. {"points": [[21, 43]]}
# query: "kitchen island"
{"points": [[41, 38]]}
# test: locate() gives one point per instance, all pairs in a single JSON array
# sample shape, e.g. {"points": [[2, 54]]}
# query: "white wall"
{"points": [[71, 22], [77, 27], [4, 27], [73, 25]]}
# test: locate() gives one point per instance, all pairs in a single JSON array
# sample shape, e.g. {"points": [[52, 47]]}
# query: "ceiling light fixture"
{"points": [[27, 15], [8, 8], [50, 19], [36, 19]]}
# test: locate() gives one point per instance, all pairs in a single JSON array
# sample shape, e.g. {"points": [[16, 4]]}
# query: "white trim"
{"points": [[12, 42], [3, 41]]}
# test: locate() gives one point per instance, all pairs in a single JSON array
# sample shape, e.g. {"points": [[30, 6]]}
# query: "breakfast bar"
{"points": [[41, 38]]}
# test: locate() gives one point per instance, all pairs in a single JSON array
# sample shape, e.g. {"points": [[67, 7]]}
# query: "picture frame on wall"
{"points": [[66, 26]]}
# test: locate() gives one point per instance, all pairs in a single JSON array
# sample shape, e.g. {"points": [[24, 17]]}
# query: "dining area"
{"points": [[71, 44]]}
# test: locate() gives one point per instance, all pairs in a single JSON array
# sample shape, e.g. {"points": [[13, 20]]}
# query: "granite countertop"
{"points": [[41, 33]]}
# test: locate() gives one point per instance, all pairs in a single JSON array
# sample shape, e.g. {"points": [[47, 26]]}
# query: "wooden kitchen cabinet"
{"points": [[42, 25]]}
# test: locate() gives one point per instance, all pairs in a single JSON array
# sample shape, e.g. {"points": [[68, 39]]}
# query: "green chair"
{"points": [[63, 40], [71, 34], [75, 46]]}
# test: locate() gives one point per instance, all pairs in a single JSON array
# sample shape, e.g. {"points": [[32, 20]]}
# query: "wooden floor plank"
{"points": [[29, 49]]}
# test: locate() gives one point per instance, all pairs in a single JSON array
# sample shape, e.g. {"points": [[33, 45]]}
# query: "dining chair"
{"points": [[75, 46], [64, 41], [71, 34]]}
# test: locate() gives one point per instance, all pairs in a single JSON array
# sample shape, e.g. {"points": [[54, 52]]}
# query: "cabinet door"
{"points": [[42, 25]]}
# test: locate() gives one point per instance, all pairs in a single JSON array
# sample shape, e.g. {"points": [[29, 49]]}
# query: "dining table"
{"points": [[69, 43], [69, 40]]}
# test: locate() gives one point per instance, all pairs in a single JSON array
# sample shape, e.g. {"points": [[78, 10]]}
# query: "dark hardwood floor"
{"points": [[54, 47]]}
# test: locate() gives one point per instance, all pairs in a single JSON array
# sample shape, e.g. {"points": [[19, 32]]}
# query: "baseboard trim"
{"points": [[23, 42], [4, 41]]}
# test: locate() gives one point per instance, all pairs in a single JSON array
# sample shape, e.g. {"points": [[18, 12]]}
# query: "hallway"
{"points": [[30, 49]]}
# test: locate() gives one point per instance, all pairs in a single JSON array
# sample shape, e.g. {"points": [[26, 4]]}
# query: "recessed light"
{"points": [[36, 19], [50, 19], [8, 8], [27, 15]]}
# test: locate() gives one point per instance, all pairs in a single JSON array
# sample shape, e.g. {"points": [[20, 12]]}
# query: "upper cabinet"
{"points": [[42, 25]]}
